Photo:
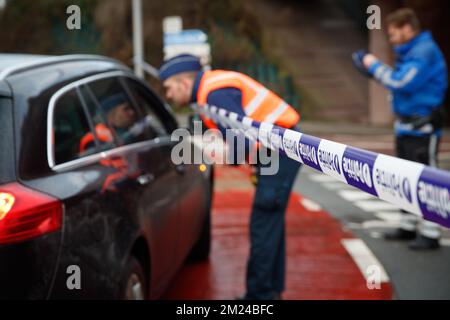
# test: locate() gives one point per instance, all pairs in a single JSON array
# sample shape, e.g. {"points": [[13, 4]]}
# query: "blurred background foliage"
{"points": [[240, 39], [39, 27]]}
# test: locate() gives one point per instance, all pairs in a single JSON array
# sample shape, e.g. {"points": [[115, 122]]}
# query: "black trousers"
{"points": [[419, 149], [423, 150], [267, 262]]}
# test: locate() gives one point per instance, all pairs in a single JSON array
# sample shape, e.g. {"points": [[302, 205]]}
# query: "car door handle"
{"points": [[145, 179], [181, 168]]}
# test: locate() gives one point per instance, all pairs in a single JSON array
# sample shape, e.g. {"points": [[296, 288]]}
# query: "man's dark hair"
{"points": [[402, 17]]}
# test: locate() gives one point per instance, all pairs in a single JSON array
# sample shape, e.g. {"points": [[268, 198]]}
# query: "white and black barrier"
{"points": [[412, 186]]}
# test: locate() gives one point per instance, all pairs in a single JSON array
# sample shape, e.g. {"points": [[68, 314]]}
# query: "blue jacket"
{"points": [[418, 81]]}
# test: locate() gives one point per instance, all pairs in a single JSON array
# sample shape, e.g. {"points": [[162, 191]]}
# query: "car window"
{"points": [[148, 107], [6, 141], [104, 136], [115, 112], [70, 127]]}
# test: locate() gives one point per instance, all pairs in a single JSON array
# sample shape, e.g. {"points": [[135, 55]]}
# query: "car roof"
{"points": [[8, 60], [13, 63]]}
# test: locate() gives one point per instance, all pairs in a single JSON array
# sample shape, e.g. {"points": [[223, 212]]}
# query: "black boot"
{"points": [[400, 234], [424, 243]]}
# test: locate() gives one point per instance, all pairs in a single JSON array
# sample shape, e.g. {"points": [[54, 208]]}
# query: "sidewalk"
{"points": [[319, 266]]}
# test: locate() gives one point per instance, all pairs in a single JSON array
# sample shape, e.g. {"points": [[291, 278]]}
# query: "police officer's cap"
{"points": [[113, 101], [179, 64]]}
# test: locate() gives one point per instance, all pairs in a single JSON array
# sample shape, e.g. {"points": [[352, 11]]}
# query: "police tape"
{"points": [[411, 186]]}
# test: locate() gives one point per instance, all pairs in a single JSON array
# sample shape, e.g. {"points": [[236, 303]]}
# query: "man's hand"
{"points": [[368, 60], [358, 58]]}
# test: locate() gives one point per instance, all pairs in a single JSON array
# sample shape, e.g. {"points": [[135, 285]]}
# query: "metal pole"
{"points": [[138, 47]]}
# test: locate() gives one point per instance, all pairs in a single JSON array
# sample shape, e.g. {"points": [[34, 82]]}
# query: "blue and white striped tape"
{"points": [[412, 186]]}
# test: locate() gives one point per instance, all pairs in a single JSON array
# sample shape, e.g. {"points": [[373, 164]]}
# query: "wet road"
{"points": [[320, 262]]}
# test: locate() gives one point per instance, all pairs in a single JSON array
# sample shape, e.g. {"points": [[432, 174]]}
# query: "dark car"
{"points": [[91, 204]]}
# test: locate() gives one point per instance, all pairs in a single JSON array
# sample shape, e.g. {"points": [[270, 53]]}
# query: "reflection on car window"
{"points": [[70, 125], [116, 116], [156, 127], [103, 134]]}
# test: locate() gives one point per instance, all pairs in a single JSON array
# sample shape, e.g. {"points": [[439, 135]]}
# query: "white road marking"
{"points": [[372, 224], [353, 225], [376, 234], [322, 178], [355, 195], [375, 205], [337, 185], [363, 257], [310, 205], [389, 216]]}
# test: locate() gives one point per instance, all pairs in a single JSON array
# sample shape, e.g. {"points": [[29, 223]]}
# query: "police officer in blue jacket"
{"points": [[418, 84]]}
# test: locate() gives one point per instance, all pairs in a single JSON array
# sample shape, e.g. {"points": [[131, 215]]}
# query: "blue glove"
{"points": [[357, 58]]}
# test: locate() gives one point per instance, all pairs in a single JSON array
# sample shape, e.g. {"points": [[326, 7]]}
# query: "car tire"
{"points": [[200, 250], [134, 281]]}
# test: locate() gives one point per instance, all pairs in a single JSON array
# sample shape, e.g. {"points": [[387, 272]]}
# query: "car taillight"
{"points": [[26, 213]]}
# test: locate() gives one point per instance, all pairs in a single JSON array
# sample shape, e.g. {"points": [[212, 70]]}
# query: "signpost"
{"points": [[138, 47], [178, 41]]}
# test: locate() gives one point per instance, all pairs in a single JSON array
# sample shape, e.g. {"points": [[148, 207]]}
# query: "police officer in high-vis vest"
{"points": [[185, 82], [418, 84]]}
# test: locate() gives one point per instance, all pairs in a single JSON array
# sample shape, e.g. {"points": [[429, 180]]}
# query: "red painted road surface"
{"points": [[318, 266]]}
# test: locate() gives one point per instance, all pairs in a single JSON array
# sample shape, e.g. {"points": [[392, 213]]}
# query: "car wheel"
{"points": [[135, 284]]}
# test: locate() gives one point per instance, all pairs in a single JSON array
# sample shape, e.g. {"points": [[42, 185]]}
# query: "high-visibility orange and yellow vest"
{"points": [[258, 102], [120, 163], [103, 134]]}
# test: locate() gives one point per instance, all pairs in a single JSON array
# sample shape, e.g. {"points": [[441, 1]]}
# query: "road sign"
{"points": [[192, 41], [172, 24], [185, 37]]}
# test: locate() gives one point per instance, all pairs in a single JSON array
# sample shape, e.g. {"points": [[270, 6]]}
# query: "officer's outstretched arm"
{"points": [[407, 78]]}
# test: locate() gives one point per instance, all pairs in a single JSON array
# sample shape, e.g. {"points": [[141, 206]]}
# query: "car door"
{"points": [[145, 145], [98, 221], [164, 227], [187, 183]]}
